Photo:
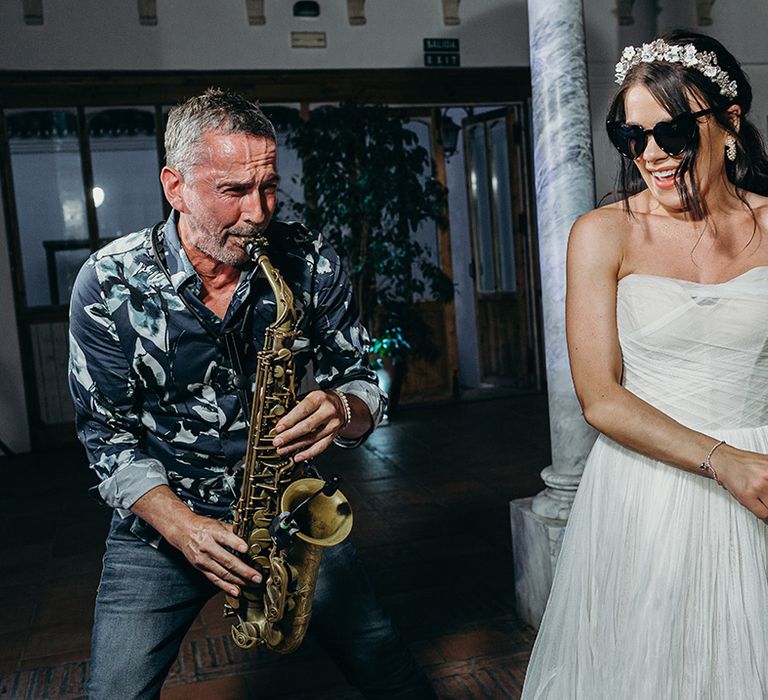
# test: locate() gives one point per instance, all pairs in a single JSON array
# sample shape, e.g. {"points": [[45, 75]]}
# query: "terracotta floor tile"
{"points": [[228, 688], [373, 487], [9, 666], [426, 653], [468, 645], [57, 659], [20, 564], [56, 639], [77, 618], [11, 644], [213, 611], [16, 608]]}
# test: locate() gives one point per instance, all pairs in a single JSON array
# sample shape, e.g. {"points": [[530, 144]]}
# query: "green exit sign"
{"points": [[441, 53]]}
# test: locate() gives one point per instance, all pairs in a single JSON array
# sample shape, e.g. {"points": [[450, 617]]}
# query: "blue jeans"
{"points": [[148, 599]]}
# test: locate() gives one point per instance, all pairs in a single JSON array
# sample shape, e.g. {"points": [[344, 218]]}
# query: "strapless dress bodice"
{"points": [[697, 351]]}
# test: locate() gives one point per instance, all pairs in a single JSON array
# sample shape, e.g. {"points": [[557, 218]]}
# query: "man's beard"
{"points": [[214, 247]]}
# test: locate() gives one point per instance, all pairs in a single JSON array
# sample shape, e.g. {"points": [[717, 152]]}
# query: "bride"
{"points": [[661, 589]]}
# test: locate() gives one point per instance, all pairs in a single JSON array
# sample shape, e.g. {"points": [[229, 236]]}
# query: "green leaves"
{"points": [[390, 345], [368, 186]]}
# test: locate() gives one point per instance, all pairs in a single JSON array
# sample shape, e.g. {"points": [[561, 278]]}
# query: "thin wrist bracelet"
{"points": [[706, 465], [347, 410]]}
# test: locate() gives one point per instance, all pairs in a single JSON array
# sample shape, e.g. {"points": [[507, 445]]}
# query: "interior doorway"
{"points": [[504, 264]]}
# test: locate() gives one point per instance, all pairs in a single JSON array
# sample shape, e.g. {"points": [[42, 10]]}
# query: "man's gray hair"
{"points": [[214, 110]]}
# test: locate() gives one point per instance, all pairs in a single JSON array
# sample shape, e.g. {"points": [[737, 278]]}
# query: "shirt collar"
{"points": [[181, 270]]}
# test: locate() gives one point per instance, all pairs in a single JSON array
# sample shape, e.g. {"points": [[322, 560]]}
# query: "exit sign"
{"points": [[441, 53]]}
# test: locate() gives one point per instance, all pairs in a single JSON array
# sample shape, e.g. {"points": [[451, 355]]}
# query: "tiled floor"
{"points": [[430, 495]]}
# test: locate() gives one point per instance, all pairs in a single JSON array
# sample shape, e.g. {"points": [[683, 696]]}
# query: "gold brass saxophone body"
{"points": [[276, 613]]}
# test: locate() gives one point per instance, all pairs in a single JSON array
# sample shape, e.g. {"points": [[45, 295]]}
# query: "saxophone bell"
{"points": [[321, 519], [284, 528]]}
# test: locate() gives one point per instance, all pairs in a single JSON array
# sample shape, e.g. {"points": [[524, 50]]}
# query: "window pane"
{"points": [[502, 204], [50, 202], [480, 199], [126, 180], [289, 165]]}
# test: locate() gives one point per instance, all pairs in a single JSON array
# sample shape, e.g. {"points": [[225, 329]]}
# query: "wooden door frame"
{"points": [[526, 252]]}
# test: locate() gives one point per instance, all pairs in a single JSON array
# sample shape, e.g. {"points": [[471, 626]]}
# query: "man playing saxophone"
{"points": [[165, 327]]}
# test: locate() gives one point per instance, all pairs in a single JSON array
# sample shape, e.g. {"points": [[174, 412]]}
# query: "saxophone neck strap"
{"points": [[233, 343], [231, 340]]}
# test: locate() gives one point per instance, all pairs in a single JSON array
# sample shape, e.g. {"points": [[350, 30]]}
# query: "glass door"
{"points": [[504, 267]]}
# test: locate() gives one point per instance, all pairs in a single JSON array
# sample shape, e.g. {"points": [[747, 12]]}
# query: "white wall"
{"points": [[14, 431], [215, 34]]}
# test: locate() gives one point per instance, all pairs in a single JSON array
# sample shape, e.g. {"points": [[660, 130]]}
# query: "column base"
{"points": [[555, 501], [535, 546]]}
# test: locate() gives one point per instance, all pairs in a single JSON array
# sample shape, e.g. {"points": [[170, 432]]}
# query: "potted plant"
{"points": [[368, 185], [388, 354]]}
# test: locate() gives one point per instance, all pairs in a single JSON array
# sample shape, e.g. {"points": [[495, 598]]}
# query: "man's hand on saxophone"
{"points": [[205, 542], [313, 423]]}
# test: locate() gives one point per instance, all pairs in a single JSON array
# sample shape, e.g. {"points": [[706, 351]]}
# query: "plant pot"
{"points": [[390, 377]]}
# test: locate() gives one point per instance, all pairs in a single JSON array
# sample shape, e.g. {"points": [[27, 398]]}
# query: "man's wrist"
{"points": [[164, 511], [342, 407]]}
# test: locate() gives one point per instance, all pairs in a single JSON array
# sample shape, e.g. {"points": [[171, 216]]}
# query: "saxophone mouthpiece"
{"points": [[256, 247]]}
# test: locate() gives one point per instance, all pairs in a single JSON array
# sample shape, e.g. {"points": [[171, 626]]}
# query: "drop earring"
{"points": [[730, 148]]}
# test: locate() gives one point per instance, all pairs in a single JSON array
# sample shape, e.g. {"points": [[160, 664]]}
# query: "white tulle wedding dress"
{"points": [[661, 588]]}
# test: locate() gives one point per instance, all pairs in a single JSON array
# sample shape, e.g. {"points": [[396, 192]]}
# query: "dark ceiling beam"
{"points": [[424, 86]]}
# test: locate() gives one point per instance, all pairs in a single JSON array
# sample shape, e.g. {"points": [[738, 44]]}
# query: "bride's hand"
{"points": [[745, 475]]}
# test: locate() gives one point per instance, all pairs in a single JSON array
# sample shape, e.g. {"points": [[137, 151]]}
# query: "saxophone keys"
{"points": [[233, 603], [259, 535], [244, 634], [277, 410], [261, 562], [257, 541]]}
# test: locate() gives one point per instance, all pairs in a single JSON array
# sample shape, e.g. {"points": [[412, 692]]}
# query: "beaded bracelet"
{"points": [[706, 465], [347, 410]]}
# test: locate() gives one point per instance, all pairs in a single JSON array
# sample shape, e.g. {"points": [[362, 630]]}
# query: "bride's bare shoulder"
{"points": [[608, 226], [759, 205]]}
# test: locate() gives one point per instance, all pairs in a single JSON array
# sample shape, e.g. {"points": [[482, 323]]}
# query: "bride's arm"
{"points": [[594, 262]]}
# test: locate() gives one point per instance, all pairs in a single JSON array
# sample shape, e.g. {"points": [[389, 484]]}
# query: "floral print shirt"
{"points": [[155, 396]]}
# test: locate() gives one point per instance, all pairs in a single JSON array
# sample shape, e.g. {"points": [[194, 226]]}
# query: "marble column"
{"points": [[564, 180]]}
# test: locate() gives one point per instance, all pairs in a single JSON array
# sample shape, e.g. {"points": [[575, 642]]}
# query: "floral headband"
{"points": [[703, 61]]}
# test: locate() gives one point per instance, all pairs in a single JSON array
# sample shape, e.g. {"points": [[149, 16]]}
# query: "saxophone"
{"points": [[286, 521]]}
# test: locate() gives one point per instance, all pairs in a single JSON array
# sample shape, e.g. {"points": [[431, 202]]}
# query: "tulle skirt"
{"points": [[661, 588]]}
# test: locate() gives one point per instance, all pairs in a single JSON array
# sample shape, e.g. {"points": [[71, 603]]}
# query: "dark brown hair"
{"points": [[672, 84]]}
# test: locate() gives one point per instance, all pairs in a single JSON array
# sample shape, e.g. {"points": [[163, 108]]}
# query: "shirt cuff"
{"points": [[130, 482], [373, 397]]}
